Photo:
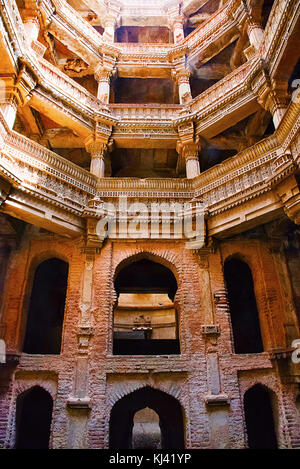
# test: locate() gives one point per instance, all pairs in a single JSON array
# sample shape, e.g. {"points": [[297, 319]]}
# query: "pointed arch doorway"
{"points": [[170, 421]]}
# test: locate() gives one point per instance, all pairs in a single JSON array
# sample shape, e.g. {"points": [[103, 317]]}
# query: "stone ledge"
{"points": [[217, 400], [79, 403]]}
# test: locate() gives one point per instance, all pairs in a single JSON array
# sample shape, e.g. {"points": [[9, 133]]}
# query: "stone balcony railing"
{"points": [[70, 89], [264, 162], [66, 89], [148, 112], [200, 37], [73, 19], [138, 48], [32, 154]]}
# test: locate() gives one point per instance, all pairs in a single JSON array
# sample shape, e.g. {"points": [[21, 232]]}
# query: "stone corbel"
{"points": [[84, 335], [94, 240], [272, 96], [289, 193]]}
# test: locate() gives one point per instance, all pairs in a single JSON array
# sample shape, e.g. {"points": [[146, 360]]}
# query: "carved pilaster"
{"points": [[182, 78], [272, 96], [176, 22], [31, 24], [14, 92]]}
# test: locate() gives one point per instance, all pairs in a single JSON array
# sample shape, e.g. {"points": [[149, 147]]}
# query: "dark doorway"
{"points": [[46, 309], [33, 419], [243, 308], [167, 408], [145, 318], [259, 419]]}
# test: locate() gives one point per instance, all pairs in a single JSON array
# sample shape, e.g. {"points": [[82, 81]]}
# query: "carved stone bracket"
{"points": [[82, 403], [289, 193], [84, 335], [217, 400], [211, 330]]}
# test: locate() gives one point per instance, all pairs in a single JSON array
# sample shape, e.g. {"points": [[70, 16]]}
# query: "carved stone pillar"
{"points": [[9, 99], [97, 151], [277, 103], [272, 96], [14, 92], [177, 28], [109, 24], [184, 87], [102, 76], [190, 153], [31, 26], [255, 33]]}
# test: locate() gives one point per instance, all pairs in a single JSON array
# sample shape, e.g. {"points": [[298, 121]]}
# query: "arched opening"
{"points": [[146, 432], [165, 406], [145, 318], [33, 419], [243, 308], [259, 418], [46, 308]]}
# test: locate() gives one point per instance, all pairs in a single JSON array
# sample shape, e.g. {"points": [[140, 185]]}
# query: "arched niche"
{"points": [[145, 316], [46, 308], [259, 417], [243, 308], [33, 419]]}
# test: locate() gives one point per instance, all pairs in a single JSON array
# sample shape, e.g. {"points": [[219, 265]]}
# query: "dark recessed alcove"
{"points": [[243, 308], [46, 308]]}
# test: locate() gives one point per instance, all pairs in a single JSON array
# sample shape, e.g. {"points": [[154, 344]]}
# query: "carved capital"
{"points": [[190, 151], [96, 149], [103, 74], [182, 76]]}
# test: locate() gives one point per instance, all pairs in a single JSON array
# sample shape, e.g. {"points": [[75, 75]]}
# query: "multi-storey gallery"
{"points": [[149, 238]]}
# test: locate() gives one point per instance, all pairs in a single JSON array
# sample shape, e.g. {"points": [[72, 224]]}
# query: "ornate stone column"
{"points": [[8, 104], [176, 24], [190, 153], [14, 92], [184, 87], [255, 33], [272, 96], [31, 25], [97, 151], [277, 103], [109, 24], [103, 78]]}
